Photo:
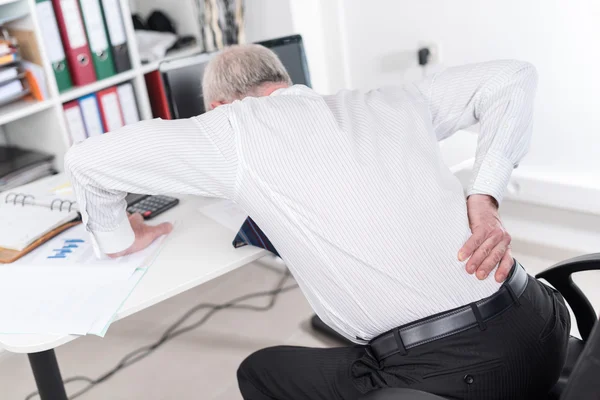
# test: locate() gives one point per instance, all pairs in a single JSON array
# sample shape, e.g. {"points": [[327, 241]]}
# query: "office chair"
{"points": [[580, 377]]}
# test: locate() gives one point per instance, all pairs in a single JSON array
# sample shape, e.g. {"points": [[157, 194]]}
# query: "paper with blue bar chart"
{"points": [[62, 288]]}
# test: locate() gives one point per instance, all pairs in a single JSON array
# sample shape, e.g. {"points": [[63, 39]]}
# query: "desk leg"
{"points": [[47, 375]]}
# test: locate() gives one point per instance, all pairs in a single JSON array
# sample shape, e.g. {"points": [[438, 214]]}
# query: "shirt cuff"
{"points": [[116, 240], [492, 176]]}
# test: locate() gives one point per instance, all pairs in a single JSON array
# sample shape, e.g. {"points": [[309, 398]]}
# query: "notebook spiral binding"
{"points": [[21, 198], [60, 203], [17, 198]]}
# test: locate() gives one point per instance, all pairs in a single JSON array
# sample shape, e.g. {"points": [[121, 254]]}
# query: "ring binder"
{"points": [[31, 215], [83, 59], [15, 198], [21, 198], [25, 199], [62, 202]]}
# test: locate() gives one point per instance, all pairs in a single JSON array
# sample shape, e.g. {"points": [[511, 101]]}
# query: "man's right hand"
{"points": [[490, 243], [144, 234]]}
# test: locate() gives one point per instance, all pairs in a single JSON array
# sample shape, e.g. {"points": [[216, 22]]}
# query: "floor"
{"points": [[200, 364]]}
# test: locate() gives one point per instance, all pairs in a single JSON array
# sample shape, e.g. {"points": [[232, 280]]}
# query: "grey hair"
{"points": [[238, 71]]}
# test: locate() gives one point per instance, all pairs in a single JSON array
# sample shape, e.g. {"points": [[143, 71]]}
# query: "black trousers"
{"points": [[518, 355]]}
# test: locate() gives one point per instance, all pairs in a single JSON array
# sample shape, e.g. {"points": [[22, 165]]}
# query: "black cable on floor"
{"points": [[174, 330]]}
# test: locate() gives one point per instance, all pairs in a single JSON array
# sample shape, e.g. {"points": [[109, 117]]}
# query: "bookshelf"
{"points": [[80, 91], [41, 125], [22, 109]]}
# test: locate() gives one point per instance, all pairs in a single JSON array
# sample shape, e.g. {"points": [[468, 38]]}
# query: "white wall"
{"points": [[314, 20], [182, 13], [267, 19], [559, 37], [319, 23]]}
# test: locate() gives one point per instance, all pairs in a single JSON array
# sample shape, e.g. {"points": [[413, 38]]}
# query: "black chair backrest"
{"points": [[560, 276], [584, 382]]}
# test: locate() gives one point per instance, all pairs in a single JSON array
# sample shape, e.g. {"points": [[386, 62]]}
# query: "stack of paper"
{"points": [[62, 288], [19, 166], [10, 90], [8, 74]]}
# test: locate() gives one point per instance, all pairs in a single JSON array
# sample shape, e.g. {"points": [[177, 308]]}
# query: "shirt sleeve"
{"points": [[190, 156], [499, 95]]}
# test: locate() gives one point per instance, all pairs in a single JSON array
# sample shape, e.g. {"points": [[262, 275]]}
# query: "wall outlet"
{"points": [[435, 56]]}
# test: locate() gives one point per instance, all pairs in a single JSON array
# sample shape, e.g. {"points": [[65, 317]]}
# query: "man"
{"points": [[352, 191]]}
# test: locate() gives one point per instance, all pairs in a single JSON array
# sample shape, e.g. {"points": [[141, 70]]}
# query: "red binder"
{"points": [[158, 95], [110, 109], [72, 33], [75, 123]]}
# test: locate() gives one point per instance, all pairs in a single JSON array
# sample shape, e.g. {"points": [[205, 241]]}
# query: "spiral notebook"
{"points": [[27, 217]]}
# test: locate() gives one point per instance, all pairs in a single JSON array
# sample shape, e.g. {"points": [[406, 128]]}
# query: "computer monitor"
{"points": [[290, 51], [183, 77], [182, 80]]}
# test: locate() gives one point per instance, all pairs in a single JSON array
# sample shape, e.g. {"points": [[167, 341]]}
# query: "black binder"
{"points": [[113, 18], [121, 57]]}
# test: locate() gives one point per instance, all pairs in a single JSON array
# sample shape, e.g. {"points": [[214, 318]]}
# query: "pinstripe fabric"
{"points": [[350, 188]]}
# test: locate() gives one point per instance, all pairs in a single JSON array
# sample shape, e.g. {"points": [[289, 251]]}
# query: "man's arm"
{"points": [[499, 95], [191, 156]]}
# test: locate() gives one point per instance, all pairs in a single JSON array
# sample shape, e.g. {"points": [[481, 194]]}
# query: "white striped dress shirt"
{"points": [[350, 188]]}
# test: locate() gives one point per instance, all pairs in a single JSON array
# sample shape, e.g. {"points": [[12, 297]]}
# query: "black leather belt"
{"points": [[398, 340]]}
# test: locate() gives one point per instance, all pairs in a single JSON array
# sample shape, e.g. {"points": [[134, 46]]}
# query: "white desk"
{"points": [[197, 251]]}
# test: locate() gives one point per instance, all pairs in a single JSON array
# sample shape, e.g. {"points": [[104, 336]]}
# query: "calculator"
{"points": [[149, 206]]}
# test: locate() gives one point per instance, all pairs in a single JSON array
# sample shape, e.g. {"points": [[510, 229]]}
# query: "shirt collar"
{"points": [[294, 90]]}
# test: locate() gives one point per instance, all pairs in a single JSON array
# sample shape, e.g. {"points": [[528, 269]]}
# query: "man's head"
{"points": [[241, 71]]}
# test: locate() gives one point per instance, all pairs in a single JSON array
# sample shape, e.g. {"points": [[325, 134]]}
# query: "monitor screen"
{"points": [[183, 85], [183, 78], [291, 53]]}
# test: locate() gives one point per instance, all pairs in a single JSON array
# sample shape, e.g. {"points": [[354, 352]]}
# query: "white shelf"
{"points": [[77, 92], [3, 2], [185, 52], [22, 108]]}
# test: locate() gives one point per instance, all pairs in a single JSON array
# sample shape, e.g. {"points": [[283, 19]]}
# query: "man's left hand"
{"points": [[490, 243], [144, 234]]}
